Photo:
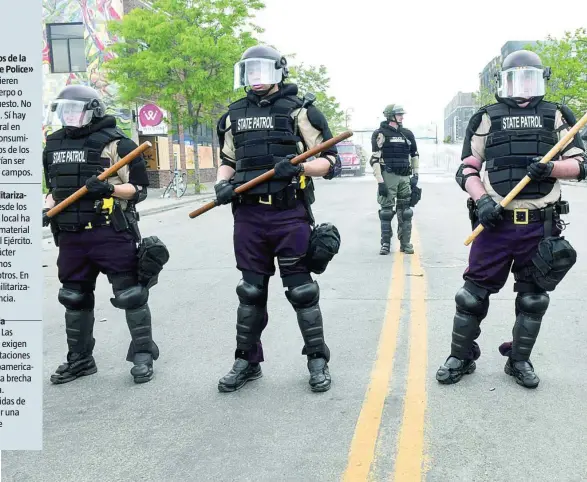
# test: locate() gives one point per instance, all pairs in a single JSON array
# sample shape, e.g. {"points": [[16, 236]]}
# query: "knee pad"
{"points": [[250, 294], [76, 300], [533, 303], [407, 214], [472, 303], [386, 214], [130, 298], [303, 296]]}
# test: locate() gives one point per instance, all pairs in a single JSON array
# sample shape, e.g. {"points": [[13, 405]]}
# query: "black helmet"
{"points": [[76, 106], [260, 64], [522, 58], [522, 77]]}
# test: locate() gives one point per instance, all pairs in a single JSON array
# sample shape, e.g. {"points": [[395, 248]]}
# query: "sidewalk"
{"points": [[156, 204]]}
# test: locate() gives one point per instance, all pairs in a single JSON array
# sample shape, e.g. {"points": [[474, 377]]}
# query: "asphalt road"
{"points": [[388, 323]]}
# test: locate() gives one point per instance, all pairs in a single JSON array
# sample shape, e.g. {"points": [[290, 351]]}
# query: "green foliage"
{"points": [[567, 58], [181, 54], [483, 97], [315, 80]]}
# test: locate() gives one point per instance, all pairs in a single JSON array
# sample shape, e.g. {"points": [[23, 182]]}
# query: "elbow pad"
{"points": [[140, 194], [582, 170], [461, 178]]}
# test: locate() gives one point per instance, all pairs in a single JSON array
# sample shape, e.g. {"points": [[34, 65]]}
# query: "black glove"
{"points": [[102, 188], [46, 219], [224, 192], [488, 211], [414, 181], [539, 171], [382, 188], [285, 170]]}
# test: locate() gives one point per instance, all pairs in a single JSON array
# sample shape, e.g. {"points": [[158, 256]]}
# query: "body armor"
{"points": [[263, 136], [71, 161], [518, 135], [395, 151]]}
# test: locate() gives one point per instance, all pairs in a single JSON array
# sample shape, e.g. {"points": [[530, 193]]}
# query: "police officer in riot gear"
{"points": [[265, 130], [510, 137], [395, 157], [99, 232]]}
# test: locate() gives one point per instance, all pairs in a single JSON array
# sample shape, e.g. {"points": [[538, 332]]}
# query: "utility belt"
{"points": [[108, 212], [399, 170], [527, 216], [524, 216], [287, 198]]}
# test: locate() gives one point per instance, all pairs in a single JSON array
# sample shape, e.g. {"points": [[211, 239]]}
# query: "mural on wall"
{"points": [[94, 14]]}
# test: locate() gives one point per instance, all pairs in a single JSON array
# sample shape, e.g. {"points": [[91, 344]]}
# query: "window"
{"points": [[67, 47]]}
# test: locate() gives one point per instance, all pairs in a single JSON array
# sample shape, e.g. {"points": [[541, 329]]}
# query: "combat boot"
{"points": [[319, 374], [453, 370], [241, 372], [77, 365], [385, 248], [523, 372]]}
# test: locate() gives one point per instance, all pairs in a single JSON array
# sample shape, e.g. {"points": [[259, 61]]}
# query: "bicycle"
{"points": [[178, 184]]}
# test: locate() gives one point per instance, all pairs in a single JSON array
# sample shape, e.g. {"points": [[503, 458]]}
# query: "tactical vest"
{"points": [[395, 152], [517, 135], [263, 136], [70, 163]]}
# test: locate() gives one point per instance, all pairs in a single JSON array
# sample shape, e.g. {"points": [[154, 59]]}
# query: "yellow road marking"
{"points": [[367, 429], [410, 452]]}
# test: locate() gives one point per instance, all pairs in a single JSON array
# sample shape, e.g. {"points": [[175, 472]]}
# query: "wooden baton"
{"points": [[82, 191], [516, 190], [269, 174]]}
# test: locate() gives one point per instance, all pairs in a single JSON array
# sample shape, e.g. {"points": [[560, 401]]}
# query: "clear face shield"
{"points": [[69, 113], [522, 82], [256, 72]]}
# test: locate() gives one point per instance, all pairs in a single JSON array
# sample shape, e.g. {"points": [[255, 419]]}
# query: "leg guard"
{"points": [[304, 299], [79, 318], [251, 314], [385, 216], [79, 325], [404, 225], [530, 308], [472, 306], [132, 298]]}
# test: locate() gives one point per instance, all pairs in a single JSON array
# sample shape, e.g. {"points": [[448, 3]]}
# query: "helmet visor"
{"points": [[69, 113], [522, 82], [251, 72]]}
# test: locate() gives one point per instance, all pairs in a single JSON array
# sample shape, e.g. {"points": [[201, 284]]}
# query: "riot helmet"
{"points": [[393, 110], [260, 66], [76, 106], [522, 76]]}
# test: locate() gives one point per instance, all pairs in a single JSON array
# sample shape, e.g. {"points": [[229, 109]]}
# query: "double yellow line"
{"points": [[410, 450]]}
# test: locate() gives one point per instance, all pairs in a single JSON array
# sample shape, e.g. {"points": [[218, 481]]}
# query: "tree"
{"points": [[483, 97], [315, 80], [181, 53], [567, 58]]}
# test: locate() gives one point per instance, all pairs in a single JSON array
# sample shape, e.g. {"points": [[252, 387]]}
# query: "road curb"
{"points": [[156, 210]]}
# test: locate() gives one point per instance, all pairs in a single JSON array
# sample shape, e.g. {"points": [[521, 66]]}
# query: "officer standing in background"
{"points": [[509, 137], [262, 131], [394, 158], [99, 232]]}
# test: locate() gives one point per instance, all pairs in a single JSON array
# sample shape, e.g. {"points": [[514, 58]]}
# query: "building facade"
{"points": [[457, 115], [487, 78], [75, 42]]}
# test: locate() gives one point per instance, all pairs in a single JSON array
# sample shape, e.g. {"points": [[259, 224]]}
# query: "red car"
{"points": [[352, 158]]}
